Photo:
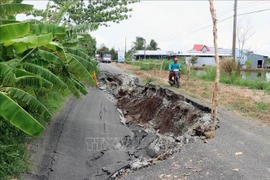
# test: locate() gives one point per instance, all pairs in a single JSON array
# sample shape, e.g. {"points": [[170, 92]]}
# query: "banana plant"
{"points": [[33, 57]]}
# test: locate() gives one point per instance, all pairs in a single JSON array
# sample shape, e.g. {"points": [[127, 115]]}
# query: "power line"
{"points": [[252, 12], [252, 5]]}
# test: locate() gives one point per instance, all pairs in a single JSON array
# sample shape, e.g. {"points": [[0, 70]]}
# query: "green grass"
{"points": [[162, 64], [259, 83], [262, 106], [14, 158], [13, 154]]}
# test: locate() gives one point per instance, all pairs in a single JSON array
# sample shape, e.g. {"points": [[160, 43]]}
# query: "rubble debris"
{"points": [[161, 121]]}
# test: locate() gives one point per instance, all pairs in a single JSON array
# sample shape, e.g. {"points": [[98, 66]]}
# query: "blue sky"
{"points": [[174, 24]]}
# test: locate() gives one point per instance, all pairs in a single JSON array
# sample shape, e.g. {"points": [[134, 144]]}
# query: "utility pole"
{"points": [[234, 29]]}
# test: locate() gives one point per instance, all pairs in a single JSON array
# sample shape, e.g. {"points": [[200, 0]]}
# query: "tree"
{"points": [[139, 44], [103, 48], [193, 60], [129, 54], [214, 108], [268, 61], [114, 54], [244, 33], [153, 45], [91, 12], [89, 44]]}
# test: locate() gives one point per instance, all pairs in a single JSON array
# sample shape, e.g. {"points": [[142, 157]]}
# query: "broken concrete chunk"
{"points": [[139, 163]]}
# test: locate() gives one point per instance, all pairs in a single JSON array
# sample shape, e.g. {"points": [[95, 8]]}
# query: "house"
{"points": [[201, 47], [258, 61], [151, 54], [205, 54]]}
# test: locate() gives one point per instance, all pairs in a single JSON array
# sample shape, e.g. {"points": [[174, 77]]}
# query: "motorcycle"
{"points": [[176, 78]]}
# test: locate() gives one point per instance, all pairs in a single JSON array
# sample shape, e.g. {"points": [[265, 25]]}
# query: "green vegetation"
{"points": [[162, 64], [140, 44], [41, 64], [88, 15], [228, 65], [248, 63], [262, 106], [14, 157], [235, 79], [193, 60]]}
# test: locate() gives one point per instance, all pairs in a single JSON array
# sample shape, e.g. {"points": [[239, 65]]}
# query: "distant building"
{"points": [[258, 61], [151, 54], [206, 56]]}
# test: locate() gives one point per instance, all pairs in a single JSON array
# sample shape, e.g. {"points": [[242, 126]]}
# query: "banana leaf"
{"points": [[17, 116], [29, 42], [80, 86], [48, 56], [48, 28], [13, 9], [80, 72], [46, 74], [12, 31], [27, 100], [33, 81], [71, 86]]}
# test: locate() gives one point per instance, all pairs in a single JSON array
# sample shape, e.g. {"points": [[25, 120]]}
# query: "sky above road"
{"points": [[178, 25]]}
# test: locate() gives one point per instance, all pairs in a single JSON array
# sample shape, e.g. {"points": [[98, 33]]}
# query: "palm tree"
{"points": [[153, 45], [139, 44]]}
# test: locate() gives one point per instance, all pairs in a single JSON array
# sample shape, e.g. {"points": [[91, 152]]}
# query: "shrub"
{"points": [[248, 63], [227, 66], [193, 60]]}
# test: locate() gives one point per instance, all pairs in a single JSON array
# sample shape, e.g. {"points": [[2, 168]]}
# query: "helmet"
{"points": [[176, 59]]}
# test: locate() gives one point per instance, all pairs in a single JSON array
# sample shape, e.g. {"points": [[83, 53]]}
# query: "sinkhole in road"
{"points": [[161, 120]]}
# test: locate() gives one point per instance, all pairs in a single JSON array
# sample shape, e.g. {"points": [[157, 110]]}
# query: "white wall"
{"points": [[208, 61]]}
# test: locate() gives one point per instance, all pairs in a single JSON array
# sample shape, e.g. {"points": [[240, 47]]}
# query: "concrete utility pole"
{"points": [[234, 29]]}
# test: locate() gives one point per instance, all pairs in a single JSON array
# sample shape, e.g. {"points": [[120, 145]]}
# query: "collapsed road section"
{"points": [[161, 121]]}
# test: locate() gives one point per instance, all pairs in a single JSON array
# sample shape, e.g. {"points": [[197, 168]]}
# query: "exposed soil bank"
{"points": [[162, 121]]}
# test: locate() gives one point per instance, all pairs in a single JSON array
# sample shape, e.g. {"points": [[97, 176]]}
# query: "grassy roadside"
{"points": [[242, 100], [14, 143]]}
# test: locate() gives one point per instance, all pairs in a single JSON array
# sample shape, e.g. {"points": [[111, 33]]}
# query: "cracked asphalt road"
{"points": [[73, 146], [66, 150]]}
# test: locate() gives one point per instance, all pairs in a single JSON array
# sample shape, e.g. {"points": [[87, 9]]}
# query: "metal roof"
{"points": [[152, 52]]}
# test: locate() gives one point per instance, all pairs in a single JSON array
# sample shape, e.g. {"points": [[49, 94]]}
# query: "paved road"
{"points": [[74, 145], [62, 151]]}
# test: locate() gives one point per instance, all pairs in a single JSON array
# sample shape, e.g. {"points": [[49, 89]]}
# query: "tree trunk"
{"points": [[216, 83]]}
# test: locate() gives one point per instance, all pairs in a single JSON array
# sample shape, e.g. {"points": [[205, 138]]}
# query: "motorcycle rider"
{"points": [[172, 66]]}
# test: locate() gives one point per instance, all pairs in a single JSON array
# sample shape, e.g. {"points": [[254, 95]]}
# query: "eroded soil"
{"points": [[161, 120], [244, 101]]}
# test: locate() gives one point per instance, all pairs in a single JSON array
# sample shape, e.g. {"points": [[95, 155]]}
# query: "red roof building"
{"points": [[201, 47]]}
